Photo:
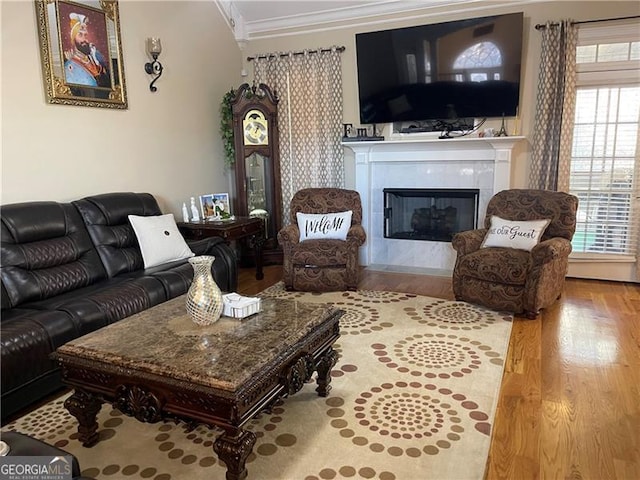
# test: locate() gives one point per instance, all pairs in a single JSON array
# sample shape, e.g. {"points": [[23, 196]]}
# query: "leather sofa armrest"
{"points": [[224, 269], [469, 241], [203, 246], [289, 234], [550, 250]]}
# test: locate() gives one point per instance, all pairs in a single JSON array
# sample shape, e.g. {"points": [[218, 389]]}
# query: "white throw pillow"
{"points": [[521, 235], [314, 226], [159, 239]]}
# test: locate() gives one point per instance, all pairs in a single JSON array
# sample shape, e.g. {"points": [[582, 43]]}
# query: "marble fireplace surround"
{"points": [[482, 163]]}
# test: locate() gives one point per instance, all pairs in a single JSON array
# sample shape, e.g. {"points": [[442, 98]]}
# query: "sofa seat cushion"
{"points": [[28, 338], [321, 253], [99, 305], [496, 264], [176, 276]]}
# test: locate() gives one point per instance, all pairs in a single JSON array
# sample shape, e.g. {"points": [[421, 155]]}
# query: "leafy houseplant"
{"points": [[226, 127]]}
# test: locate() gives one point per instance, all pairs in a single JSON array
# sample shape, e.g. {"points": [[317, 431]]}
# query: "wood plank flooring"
{"points": [[569, 404]]}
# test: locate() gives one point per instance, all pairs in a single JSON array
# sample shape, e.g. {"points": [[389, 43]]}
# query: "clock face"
{"points": [[256, 128]]}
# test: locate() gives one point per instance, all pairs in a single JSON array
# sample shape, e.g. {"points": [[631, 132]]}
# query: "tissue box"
{"points": [[237, 306]]}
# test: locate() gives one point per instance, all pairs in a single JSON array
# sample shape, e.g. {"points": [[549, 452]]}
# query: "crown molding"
{"points": [[246, 30], [371, 13], [342, 14]]}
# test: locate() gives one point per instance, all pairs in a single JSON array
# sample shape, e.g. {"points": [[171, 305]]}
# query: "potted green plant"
{"points": [[226, 127]]}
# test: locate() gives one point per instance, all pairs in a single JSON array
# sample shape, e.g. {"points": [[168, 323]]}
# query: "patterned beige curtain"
{"points": [[555, 108], [309, 86]]}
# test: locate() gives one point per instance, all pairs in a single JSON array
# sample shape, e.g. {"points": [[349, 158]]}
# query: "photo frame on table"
{"points": [[210, 201], [223, 200], [81, 53], [206, 206]]}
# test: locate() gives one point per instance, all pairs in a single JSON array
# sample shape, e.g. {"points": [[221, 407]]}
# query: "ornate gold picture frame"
{"points": [[81, 52]]}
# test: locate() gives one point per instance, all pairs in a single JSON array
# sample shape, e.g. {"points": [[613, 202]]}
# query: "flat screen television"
{"points": [[444, 71]]}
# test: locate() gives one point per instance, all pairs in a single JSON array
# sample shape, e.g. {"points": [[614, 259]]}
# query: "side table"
{"points": [[236, 229]]}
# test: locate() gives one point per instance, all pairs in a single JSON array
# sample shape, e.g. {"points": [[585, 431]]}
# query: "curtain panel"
{"points": [[309, 87], [555, 108]]}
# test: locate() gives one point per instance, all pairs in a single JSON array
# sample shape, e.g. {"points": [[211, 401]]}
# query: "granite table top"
{"points": [[164, 341]]}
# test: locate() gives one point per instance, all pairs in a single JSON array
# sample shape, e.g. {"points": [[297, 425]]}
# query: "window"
{"points": [[604, 160], [479, 62]]}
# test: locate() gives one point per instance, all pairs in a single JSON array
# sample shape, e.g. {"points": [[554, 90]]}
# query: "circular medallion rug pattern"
{"points": [[413, 397]]}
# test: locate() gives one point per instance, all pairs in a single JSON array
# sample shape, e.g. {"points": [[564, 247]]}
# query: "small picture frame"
{"points": [[221, 200], [215, 206], [206, 206]]}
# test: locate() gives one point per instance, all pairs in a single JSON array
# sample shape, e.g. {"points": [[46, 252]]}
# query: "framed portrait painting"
{"points": [[81, 52]]}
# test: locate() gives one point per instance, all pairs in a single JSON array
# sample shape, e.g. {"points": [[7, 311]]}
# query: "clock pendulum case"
{"points": [[257, 164]]}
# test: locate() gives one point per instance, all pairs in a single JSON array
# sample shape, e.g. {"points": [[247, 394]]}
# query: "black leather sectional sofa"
{"points": [[68, 269]]}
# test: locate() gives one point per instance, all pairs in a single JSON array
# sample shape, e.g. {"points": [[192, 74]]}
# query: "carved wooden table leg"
{"points": [[325, 364], [85, 408], [233, 449]]}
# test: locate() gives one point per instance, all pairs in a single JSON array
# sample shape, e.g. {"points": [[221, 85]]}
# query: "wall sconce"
{"points": [[154, 48]]}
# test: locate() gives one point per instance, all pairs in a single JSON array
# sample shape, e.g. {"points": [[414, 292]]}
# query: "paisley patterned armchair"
{"points": [[512, 280], [322, 264]]}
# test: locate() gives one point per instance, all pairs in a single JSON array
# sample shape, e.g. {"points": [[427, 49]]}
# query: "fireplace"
{"points": [[424, 163], [429, 214]]}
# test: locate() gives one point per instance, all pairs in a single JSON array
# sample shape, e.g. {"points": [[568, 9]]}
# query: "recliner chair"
{"points": [[517, 281], [322, 264]]}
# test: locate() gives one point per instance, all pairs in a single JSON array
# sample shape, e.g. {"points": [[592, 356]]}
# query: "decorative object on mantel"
{"points": [[362, 134], [204, 298], [81, 53], [503, 128], [154, 48]]}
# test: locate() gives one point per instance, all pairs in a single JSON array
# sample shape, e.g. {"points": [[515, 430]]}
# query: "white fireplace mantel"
{"points": [[482, 163]]}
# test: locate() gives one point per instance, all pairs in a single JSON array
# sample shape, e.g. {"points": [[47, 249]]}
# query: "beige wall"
{"points": [[533, 13], [165, 143]]}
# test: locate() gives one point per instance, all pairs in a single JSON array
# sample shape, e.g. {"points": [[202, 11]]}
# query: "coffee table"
{"points": [[159, 365]]}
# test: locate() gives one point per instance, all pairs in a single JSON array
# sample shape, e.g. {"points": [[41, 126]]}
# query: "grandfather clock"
{"points": [[257, 165]]}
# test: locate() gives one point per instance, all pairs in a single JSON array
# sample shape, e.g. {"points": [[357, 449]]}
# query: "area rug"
{"points": [[414, 397]]}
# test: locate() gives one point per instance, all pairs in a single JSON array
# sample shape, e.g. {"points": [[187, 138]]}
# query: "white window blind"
{"points": [[605, 170]]}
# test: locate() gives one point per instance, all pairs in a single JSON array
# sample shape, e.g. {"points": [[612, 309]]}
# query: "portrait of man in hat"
{"points": [[84, 62]]}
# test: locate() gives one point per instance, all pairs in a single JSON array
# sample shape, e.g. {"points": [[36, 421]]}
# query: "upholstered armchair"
{"points": [[508, 279], [322, 264]]}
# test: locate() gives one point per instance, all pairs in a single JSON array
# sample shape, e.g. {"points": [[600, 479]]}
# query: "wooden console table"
{"points": [[236, 229]]}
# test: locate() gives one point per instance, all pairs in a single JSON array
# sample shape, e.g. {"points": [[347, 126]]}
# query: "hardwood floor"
{"points": [[569, 404]]}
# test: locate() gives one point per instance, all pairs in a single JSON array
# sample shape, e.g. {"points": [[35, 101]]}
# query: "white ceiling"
{"points": [[250, 18]]}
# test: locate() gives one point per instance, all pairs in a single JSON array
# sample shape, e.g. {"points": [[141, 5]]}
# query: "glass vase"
{"points": [[204, 298]]}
